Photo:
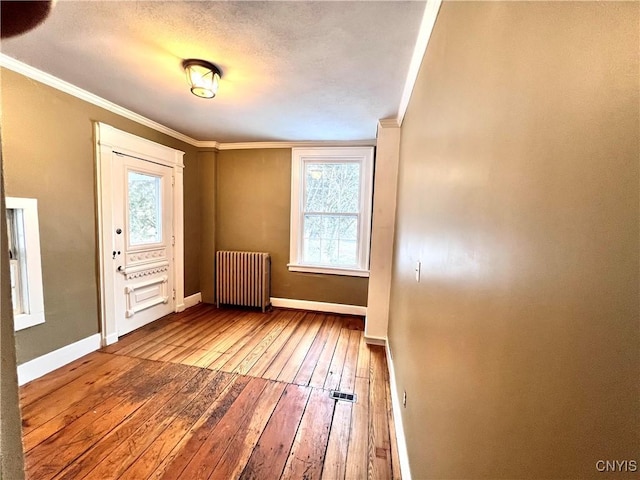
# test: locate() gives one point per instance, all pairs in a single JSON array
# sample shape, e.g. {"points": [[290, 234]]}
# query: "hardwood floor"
{"points": [[217, 394]]}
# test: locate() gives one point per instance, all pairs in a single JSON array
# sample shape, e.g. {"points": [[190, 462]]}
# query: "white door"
{"points": [[143, 241]]}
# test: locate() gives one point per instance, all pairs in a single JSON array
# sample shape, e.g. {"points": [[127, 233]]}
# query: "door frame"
{"points": [[108, 141]]}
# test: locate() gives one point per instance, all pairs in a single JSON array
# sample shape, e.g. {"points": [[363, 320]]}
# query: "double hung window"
{"points": [[331, 210], [24, 262]]}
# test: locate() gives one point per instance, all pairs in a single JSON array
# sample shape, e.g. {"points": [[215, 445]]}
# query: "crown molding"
{"points": [[388, 123], [323, 143], [66, 87], [426, 28], [206, 144]]}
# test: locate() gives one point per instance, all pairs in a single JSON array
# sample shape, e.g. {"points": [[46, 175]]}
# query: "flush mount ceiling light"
{"points": [[203, 77]]}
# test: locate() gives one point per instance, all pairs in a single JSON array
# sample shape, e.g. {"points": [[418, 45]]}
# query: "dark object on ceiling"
{"points": [[17, 17]]}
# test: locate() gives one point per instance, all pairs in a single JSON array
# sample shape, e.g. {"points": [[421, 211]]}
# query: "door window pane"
{"points": [[145, 209]]}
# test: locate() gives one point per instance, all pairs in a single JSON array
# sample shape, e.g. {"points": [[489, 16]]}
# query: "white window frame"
{"points": [[300, 156], [35, 297]]}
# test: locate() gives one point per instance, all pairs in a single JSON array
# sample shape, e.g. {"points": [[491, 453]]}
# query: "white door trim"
{"points": [[109, 140]]}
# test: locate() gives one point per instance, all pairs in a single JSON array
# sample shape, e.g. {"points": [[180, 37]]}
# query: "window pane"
{"points": [[145, 210], [17, 263], [332, 187], [330, 240]]}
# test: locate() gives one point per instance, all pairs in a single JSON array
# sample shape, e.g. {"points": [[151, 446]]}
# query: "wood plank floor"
{"points": [[217, 394]]}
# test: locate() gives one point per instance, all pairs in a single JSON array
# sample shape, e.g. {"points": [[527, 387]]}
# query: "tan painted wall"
{"points": [[49, 155], [253, 205], [207, 163], [518, 191]]}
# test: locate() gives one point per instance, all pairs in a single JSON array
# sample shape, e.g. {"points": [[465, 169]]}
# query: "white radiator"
{"points": [[243, 278]]}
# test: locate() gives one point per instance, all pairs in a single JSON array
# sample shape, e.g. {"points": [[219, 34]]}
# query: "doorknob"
{"points": [[119, 268]]}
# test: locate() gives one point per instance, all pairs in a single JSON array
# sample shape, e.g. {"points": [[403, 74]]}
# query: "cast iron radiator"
{"points": [[243, 278]]}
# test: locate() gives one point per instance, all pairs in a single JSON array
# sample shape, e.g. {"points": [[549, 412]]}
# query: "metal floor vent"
{"points": [[337, 395]]}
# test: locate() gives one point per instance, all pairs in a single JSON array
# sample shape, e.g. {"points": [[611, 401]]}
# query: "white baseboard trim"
{"points": [[375, 340], [49, 362], [192, 300], [111, 338], [319, 306], [403, 453]]}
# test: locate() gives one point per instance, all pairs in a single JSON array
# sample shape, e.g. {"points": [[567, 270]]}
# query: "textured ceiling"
{"points": [[292, 71]]}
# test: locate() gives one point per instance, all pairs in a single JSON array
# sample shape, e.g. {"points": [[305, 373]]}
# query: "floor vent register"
{"points": [[348, 397]]}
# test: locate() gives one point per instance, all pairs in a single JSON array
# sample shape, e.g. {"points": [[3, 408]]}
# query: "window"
{"points": [[331, 210], [145, 209], [24, 261]]}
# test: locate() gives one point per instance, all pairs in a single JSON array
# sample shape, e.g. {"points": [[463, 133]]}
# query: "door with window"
{"points": [[142, 241]]}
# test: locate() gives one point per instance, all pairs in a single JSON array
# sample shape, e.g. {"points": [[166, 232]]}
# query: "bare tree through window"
{"points": [[331, 213], [145, 211]]}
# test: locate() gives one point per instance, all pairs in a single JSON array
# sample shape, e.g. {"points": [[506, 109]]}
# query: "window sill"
{"points": [[26, 320], [350, 272]]}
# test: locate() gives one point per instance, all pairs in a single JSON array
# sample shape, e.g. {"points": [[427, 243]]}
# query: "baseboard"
{"points": [[375, 340], [49, 362], [319, 306], [111, 338], [192, 300], [397, 417]]}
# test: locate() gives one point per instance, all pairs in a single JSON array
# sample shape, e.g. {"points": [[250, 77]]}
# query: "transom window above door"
{"points": [[331, 201]]}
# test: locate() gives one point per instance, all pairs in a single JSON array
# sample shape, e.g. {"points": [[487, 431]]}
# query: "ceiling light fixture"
{"points": [[203, 77]]}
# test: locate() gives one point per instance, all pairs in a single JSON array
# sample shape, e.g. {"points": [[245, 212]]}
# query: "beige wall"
{"points": [[518, 191], [207, 164], [48, 151], [253, 205]]}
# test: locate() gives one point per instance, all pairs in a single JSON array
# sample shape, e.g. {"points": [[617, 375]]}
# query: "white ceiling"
{"points": [[292, 71]]}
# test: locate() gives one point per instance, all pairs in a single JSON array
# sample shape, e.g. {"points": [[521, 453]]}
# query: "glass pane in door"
{"points": [[145, 208]]}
